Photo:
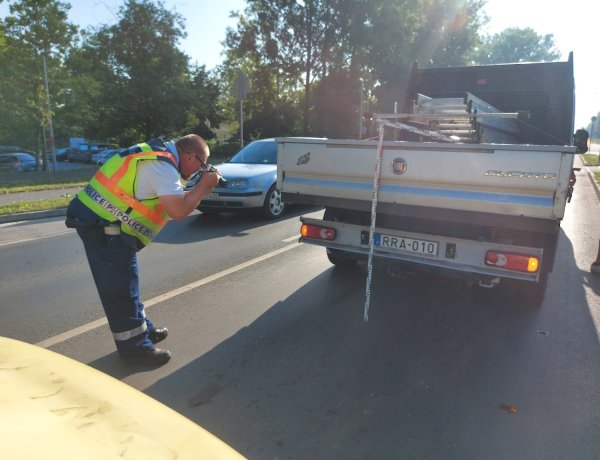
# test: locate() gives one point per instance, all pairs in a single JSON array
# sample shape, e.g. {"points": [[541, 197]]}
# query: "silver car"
{"points": [[17, 161], [251, 176]]}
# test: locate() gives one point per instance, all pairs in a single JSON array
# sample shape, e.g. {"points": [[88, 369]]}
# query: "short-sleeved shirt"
{"points": [[157, 178]]}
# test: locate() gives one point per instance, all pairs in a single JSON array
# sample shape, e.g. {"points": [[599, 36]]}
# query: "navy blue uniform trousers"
{"points": [[115, 270]]}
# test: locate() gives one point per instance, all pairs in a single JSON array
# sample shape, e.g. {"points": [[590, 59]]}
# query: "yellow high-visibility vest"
{"points": [[110, 194]]}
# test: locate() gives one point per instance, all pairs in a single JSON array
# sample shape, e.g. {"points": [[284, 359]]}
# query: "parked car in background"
{"points": [[16, 162], [72, 154], [84, 152], [61, 154], [252, 175], [102, 157]]}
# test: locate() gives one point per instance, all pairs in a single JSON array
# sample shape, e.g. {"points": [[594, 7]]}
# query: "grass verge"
{"points": [[44, 180], [590, 159], [32, 206]]}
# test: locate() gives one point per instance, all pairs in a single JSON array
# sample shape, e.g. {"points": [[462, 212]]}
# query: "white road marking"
{"points": [[41, 237], [166, 296], [291, 238]]}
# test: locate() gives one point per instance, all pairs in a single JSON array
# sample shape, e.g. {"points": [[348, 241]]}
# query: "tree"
{"points": [[140, 83], [318, 44], [517, 45], [283, 38], [435, 33], [205, 112], [34, 30], [148, 93]]}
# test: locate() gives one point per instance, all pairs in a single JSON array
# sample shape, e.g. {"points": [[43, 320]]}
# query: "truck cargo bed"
{"points": [[528, 181]]}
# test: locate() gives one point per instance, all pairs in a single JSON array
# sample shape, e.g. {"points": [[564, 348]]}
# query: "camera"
{"points": [[222, 181], [193, 180]]}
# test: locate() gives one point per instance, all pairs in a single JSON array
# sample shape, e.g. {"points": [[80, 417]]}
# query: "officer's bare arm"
{"points": [[180, 206]]}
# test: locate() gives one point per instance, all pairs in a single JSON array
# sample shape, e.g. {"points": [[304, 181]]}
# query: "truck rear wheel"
{"points": [[529, 293], [337, 258]]}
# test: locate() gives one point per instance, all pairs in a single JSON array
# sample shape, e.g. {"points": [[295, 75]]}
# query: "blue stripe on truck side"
{"points": [[537, 201]]}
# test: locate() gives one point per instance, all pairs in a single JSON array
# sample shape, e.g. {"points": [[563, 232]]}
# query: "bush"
{"points": [[223, 151]]}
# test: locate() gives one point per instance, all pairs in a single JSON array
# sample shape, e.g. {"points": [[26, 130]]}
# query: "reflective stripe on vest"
{"points": [[110, 195], [117, 213]]}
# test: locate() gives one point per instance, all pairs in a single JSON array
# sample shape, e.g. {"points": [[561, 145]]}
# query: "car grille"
{"points": [[222, 204]]}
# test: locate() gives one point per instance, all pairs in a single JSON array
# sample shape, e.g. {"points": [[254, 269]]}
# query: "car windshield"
{"points": [[257, 153]]}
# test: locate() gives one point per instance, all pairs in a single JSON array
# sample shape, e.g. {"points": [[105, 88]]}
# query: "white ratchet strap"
{"points": [[376, 181], [113, 229]]}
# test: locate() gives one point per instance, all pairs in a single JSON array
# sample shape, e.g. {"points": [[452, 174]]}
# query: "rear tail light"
{"points": [[317, 232], [510, 261]]}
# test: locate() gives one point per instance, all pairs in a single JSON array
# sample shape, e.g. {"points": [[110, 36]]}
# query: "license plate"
{"points": [[212, 196], [401, 243]]}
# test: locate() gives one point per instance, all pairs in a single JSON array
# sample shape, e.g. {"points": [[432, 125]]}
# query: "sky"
{"points": [[574, 25]]}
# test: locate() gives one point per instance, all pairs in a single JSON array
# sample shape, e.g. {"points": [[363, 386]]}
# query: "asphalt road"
{"points": [[272, 355]]}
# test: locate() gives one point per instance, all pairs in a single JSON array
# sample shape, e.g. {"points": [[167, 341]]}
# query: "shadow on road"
{"points": [[439, 371], [210, 226]]}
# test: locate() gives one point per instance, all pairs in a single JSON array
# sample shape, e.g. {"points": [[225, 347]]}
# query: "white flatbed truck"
{"points": [[464, 207]]}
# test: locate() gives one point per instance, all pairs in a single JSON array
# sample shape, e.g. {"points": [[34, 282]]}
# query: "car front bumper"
{"points": [[228, 200]]}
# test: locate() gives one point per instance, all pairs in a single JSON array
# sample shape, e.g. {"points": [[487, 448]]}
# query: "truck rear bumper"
{"points": [[465, 257]]}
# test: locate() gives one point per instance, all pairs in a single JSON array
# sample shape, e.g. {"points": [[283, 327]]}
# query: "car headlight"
{"points": [[238, 184]]}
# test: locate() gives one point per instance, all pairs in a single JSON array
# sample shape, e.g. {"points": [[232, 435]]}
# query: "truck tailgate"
{"points": [[516, 180]]}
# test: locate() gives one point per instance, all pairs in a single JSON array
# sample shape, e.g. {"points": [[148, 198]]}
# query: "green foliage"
{"points": [[590, 159], [323, 48], [33, 30], [517, 45], [219, 153], [33, 206], [336, 99], [148, 88], [308, 63], [205, 112], [45, 180], [40, 25]]}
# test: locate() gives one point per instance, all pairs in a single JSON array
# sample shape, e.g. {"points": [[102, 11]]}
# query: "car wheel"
{"points": [[273, 207]]}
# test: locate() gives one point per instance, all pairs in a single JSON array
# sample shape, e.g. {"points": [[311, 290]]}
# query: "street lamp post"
{"points": [[241, 89], [50, 127], [593, 132], [360, 110]]}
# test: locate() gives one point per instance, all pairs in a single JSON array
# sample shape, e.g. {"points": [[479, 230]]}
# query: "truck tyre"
{"points": [[337, 258], [528, 293], [273, 207]]}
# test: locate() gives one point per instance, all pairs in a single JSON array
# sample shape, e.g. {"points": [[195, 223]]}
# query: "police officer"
{"points": [[123, 207]]}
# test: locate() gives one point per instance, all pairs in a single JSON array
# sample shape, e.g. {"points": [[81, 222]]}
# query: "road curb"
{"points": [[32, 215]]}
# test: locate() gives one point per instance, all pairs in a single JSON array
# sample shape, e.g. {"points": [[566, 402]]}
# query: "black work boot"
{"points": [[158, 334], [146, 356]]}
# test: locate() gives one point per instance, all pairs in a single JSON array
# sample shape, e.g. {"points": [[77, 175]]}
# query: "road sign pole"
{"points": [[241, 122], [240, 89]]}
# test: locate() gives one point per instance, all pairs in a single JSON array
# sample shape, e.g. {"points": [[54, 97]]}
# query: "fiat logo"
{"points": [[399, 166]]}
